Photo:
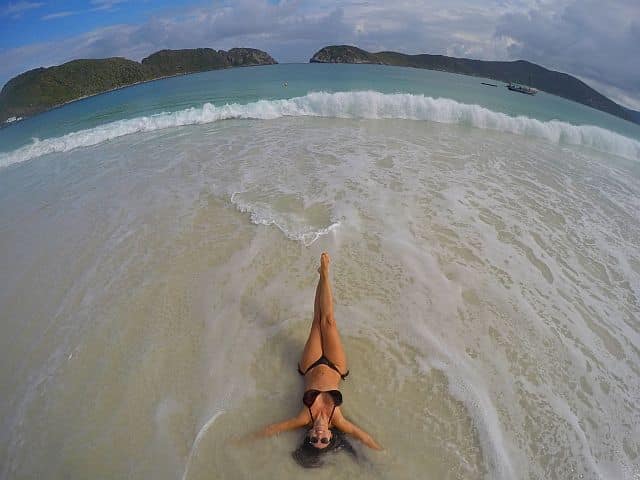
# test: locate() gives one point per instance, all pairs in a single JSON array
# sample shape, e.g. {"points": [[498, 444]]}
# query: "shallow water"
{"points": [[487, 288]]}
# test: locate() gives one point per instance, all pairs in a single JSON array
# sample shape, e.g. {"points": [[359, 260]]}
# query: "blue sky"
{"points": [[596, 41]]}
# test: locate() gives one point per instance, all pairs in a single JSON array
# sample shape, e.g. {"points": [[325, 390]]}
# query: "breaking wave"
{"points": [[362, 104]]}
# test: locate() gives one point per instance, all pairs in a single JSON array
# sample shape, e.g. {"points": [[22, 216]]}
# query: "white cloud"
{"points": [[16, 9], [105, 4], [53, 16], [593, 40]]}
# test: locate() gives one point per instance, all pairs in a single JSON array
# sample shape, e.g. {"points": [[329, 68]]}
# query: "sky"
{"points": [[596, 41]]}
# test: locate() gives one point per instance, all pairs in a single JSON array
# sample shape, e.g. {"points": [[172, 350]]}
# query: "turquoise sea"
{"points": [[159, 252]]}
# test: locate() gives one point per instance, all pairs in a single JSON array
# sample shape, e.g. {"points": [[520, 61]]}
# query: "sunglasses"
{"points": [[324, 440]]}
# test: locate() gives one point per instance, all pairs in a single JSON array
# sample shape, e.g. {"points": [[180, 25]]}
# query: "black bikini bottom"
{"points": [[323, 361]]}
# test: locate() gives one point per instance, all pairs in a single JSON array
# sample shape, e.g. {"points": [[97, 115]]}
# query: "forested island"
{"points": [[45, 88], [556, 83]]}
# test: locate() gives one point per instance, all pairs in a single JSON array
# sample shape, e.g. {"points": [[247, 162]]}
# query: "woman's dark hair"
{"points": [[309, 456]]}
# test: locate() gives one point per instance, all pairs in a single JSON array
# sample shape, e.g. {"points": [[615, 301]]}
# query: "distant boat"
{"points": [[489, 84], [13, 119], [516, 87]]}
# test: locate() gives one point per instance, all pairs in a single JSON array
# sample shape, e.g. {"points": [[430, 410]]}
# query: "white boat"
{"points": [[516, 87]]}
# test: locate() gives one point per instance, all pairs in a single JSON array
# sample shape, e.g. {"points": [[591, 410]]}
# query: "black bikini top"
{"points": [[310, 396]]}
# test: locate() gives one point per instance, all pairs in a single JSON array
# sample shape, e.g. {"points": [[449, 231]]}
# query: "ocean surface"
{"points": [[159, 252]]}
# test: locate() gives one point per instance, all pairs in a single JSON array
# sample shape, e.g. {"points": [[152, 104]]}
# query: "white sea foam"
{"points": [[199, 436], [294, 230], [363, 104]]}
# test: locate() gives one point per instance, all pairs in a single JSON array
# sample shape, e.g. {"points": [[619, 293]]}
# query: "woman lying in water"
{"points": [[322, 363]]}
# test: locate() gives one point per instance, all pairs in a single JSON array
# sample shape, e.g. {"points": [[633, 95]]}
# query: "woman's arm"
{"points": [[349, 428], [298, 421]]}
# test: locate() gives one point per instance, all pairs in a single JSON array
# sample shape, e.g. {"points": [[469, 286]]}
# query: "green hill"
{"points": [[44, 88], [556, 83], [174, 62]]}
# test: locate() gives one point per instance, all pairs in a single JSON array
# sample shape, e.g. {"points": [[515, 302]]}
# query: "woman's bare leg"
{"points": [[313, 348], [331, 343]]}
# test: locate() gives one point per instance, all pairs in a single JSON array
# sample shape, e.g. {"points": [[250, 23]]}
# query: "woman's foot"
{"points": [[324, 264]]}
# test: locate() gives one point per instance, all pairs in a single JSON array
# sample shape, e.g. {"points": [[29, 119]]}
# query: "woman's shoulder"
{"points": [[337, 419]]}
